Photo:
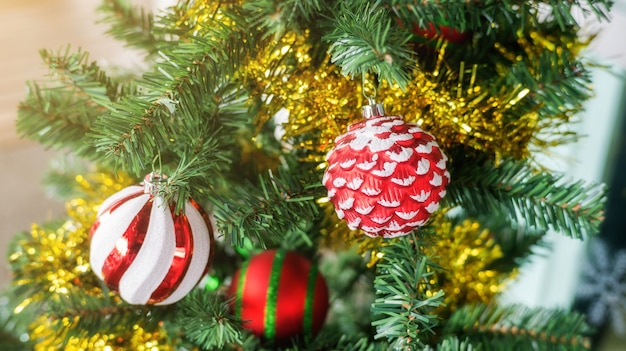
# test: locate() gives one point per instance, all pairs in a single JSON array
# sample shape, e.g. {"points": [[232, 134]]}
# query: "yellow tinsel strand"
{"points": [[466, 251]]}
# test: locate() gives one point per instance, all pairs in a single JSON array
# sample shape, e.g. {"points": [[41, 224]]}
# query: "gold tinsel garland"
{"points": [[55, 263], [465, 251], [453, 104]]}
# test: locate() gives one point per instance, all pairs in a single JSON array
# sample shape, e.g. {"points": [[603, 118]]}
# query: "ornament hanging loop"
{"points": [[372, 109], [154, 182]]}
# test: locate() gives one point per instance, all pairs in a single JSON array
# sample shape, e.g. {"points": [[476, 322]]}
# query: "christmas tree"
{"points": [[307, 175]]}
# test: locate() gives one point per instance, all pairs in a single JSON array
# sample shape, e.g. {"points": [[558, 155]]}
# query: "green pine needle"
{"points": [[540, 200], [365, 40], [495, 327], [205, 319], [404, 309]]}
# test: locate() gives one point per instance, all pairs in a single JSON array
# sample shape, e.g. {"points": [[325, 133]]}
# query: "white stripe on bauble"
{"points": [[441, 164], [153, 261], [120, 195], [200, 254], [111, 228]]}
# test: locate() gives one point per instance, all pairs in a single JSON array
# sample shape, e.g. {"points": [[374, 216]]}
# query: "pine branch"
{"points": [[56, 118], [265, 212], [73, 70], [205, 319], [497, 327], [518, 242], [182, 117], [453, 343], [81, 315], [541, 200], [277, 18], [488, 17], [13, 325], [130, 24], [61, 113], [364, 40], [557, 80], [404, 308]]}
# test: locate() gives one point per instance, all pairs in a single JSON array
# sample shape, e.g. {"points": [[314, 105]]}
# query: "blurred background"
{"points": [[27, 26]]}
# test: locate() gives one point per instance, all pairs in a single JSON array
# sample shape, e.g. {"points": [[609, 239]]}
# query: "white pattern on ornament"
{"points": [[385, 176]]}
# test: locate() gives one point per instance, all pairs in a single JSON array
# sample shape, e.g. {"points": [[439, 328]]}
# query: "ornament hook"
{"points": [[372, 109], [154, 182]]}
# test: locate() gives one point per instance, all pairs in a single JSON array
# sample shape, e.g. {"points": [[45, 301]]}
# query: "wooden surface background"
{"points": [[26, 26]]}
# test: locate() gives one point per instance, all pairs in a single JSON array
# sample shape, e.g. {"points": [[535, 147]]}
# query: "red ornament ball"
{"points": [[447, 33], [145, 251], [279, 295], [385, 176]]}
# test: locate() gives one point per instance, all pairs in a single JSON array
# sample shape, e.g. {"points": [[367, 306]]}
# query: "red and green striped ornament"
{"points": [[279, 295]]}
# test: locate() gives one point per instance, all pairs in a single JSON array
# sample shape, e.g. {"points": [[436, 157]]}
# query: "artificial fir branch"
{"points": [[517, 241], [206, 320], [406, 298], [75, 71], [265, 212], [179, 123], [80, 316], [292, 15], [456, 344], [56, 118], [492, 18], [529, 328], [556, 81], [59, 113], [130, 24], [541, 200], [365, 40]]}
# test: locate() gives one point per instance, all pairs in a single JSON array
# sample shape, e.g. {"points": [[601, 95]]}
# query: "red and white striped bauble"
{"points": [[143, 250], [385, 176]]}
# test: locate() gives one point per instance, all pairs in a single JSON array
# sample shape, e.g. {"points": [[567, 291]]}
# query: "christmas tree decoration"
{"points": [[432, 32], [466, 252], [279, 295], [68, 271], [385, 176], [306, 87], [144, 250], [247, 105]]}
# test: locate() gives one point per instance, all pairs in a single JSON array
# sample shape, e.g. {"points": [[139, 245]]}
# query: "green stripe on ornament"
{"points": [[308, 302], [272, 295], [241, 282]]}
